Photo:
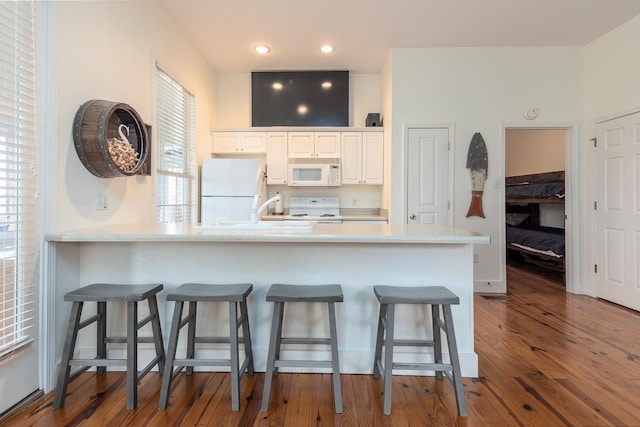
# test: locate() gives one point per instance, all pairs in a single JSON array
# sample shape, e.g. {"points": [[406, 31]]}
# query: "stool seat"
{"points": [[113, 292], [415, 295], [208, 292], [101, 293], [304, 293], [436, 297], [280, 294], [193, 293]]}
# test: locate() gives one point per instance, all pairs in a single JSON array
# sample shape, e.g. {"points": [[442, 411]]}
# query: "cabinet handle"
{"points": [[412, 216]]}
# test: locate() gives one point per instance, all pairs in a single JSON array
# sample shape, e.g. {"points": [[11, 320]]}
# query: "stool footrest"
{"points": [[216, 340], [413, 343], [424, 366], [294, 340], [201, 362], [98, 362], [121, 340], [303, 364]]}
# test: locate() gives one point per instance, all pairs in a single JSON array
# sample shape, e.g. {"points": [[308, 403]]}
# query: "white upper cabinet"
{"points": [[314, 145], [372, 157], [351, 158], [277, 158], [362, 161], [239, 142]]}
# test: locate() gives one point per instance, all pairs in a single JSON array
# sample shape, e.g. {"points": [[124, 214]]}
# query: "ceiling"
{"points": [[364, 32]]}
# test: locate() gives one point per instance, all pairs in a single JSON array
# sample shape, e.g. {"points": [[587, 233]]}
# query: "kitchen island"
{"points": [[357, 256]]}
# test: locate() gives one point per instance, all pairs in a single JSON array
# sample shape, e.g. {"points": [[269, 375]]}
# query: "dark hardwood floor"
{"points": [[546, 358]]}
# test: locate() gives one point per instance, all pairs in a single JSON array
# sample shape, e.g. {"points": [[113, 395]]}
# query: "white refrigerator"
{"points": [[227, 188]]}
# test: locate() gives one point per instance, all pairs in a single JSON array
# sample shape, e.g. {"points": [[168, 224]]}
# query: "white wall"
{"points": [[480, 90], [234, 99], [529, 151], [611, 72], [106, 50]]}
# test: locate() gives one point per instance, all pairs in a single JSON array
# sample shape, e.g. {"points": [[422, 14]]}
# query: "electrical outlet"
{"points": [[354, 201], [102, 203], [476, 258]]}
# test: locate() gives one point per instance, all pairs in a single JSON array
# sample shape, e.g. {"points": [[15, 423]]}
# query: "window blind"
{"points": [[175, 136], [18, 175]]}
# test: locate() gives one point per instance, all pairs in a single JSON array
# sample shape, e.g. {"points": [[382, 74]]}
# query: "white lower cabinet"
{"points": [[362, 157]]}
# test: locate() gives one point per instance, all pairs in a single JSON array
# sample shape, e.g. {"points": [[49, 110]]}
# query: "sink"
{"points": [[258, 226]]}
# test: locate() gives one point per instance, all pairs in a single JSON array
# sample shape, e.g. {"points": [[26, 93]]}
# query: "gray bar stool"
{"points": [[280, 294], [436, 296], [192, 293], [103, 293]]}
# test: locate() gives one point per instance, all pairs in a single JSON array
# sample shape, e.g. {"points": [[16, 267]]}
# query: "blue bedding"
{"points": [[536, 189], [538, 237]]}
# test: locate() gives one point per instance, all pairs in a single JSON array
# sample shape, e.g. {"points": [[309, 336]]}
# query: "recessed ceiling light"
{"points": [[262, 49], [327, 48]]}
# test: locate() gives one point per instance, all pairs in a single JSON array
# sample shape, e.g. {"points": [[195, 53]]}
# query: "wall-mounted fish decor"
{"points": [[477, 163]]}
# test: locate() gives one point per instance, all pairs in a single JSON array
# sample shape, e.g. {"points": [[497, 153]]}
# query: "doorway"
{"points": [[534, 158]]}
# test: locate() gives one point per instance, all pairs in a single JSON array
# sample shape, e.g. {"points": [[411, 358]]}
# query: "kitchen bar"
{"points": [[357, 256]]}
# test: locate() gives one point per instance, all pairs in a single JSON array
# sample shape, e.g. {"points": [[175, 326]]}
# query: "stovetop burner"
{"points": [[325, 209]]}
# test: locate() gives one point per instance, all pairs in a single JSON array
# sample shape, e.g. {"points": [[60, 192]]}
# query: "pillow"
{"points": [[516, 219]]}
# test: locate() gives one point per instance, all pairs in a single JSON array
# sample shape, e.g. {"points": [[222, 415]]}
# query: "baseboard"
{"points": [[21, 406]]}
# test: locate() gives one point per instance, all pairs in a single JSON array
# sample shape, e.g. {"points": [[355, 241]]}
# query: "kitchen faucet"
{"points": [[257, 211]]}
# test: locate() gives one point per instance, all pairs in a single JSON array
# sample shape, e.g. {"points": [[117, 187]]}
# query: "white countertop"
{"points": [[322, 233]]}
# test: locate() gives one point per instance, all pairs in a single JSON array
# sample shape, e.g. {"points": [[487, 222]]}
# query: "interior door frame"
{"points": [[572, 201], [405, 182]]}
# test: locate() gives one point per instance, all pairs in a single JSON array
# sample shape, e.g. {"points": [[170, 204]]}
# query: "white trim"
{"points": [[615, 116], [48, 105], [573, 240], [405, 162], [170, 73]]}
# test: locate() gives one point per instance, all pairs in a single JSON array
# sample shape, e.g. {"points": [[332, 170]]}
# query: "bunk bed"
{"points": [[525, 237]]}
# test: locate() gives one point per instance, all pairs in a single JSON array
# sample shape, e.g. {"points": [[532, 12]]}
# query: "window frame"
{"points": [[182, 179]]}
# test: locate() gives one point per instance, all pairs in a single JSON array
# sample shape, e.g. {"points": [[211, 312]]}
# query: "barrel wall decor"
{"points": [[111, 139]]}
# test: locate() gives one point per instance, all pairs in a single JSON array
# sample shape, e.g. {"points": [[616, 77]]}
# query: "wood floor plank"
{"points": [[280, 391], [546, 358]]}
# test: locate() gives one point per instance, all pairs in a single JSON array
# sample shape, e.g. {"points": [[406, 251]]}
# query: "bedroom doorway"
{"points": [[537, 165]]}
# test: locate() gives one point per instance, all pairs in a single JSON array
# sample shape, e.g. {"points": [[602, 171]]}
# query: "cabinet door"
{"points": [[254, 142], [351, 158], [327, 145], [276, 158], [226, 142], [300, 145], [372, 157]]}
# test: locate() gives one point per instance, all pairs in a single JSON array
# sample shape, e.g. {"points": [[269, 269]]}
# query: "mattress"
{"points": [[536, 189], [545, 239]]}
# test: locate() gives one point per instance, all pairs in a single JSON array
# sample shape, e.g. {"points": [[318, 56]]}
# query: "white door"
{"points": [[617, 183], [428, 176]]}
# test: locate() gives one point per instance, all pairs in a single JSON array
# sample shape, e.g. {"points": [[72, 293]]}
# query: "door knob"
{"points": [[412, 216]]}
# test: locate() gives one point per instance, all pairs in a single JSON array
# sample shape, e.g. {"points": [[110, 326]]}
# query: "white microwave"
{"points": [[314, 175]]}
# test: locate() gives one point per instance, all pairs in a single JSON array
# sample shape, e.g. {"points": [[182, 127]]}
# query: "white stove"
{"points": [[318, 209]]}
